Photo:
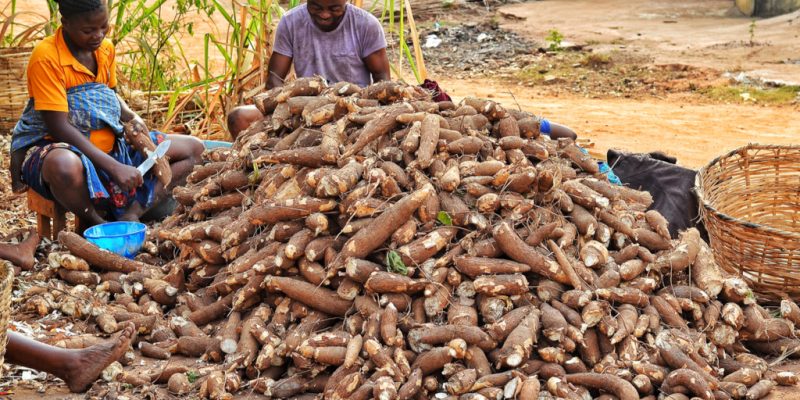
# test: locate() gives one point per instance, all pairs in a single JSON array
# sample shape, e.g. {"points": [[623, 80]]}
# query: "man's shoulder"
{"points": [[295, 15], [361, 15]]}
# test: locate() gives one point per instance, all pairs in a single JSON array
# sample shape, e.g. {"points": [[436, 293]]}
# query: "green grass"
{"points": [[734, 94], [531, 74], [596, 60]]}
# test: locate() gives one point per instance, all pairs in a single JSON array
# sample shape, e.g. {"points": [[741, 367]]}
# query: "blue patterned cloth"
{"points": [[92, 106]]}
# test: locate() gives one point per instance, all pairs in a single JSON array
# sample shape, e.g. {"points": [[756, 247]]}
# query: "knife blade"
{"points": [[159, 152]]}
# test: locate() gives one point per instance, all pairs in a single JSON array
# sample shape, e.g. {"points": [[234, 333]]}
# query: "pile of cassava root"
{"points": [[371, 243]]}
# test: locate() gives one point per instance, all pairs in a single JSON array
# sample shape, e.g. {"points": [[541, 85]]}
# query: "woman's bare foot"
{"points": [[21, 254], [90, 362]]}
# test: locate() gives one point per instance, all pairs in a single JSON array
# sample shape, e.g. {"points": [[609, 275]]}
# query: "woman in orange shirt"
{"points": [[69, 137], [70, 134]]}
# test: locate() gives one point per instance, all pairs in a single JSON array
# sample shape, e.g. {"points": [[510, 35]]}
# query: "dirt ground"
{"points": [[703, 38], [694, 133], [709, 33]]}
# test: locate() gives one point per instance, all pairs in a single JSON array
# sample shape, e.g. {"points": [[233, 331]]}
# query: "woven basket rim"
{"points": [[14, 51], [698, 187]]}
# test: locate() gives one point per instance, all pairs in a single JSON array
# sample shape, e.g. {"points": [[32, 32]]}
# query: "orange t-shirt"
{"points": [[52, 70]]}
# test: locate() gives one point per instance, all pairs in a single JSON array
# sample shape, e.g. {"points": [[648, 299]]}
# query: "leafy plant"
{"points": [[752, 30], [192, 376], [554, 37], [149, 58], [153, 60]]}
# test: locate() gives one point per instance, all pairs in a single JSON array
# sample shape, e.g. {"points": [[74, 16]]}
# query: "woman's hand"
{"points": [[138, 123], [126, 176]]}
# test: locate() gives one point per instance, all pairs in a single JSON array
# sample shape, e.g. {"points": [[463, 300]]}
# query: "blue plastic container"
{"points": [[123, 237], [213, 144]]}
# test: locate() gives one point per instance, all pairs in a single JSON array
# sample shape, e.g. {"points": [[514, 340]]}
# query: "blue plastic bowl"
{"points": [[123, 237], [213, 144]]}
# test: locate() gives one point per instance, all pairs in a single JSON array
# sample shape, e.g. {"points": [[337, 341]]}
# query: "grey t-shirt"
{"points": [[337, 55]]}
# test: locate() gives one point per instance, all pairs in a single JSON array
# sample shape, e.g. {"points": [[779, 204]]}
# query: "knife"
{"points": [[159, 152]]}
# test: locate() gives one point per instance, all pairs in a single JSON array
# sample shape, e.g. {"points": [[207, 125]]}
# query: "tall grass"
{"points": [[154, 59], [245, 48], [14, 33], [150, 37], [403, 18]]}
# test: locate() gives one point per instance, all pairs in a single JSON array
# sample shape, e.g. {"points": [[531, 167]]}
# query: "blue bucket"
{"points": [[123, 237]]}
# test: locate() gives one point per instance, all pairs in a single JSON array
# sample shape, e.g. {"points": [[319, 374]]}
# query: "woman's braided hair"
{"points": [[68, 8]]}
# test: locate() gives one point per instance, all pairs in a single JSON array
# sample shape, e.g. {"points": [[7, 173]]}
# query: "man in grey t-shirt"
{"points": [[331, 38]]}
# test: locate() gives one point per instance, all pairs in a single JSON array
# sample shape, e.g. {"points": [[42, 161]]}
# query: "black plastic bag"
{"points": [[671, 186]]}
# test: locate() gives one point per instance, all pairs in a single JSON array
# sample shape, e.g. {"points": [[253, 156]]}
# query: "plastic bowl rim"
{"points": [[143, 229]]}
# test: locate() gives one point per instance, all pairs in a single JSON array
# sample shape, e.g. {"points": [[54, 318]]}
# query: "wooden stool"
{"points": [[47, 210]]}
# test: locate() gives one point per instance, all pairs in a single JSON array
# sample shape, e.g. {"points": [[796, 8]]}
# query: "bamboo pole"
{"points": [[240, 56], [423, 72]]}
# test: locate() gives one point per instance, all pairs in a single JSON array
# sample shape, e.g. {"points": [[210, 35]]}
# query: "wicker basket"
{"points": [[751, 208], [13, 85], [6, 283]]}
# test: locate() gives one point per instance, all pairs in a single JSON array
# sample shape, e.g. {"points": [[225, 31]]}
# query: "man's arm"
{"points": [[279, 65], [377, 64]]}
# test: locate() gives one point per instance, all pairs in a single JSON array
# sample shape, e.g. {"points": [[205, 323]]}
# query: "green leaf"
{"points": [[444, 218], [173, 100], [192, 376], [256, 175], [225, 14], [395, 264], [410, 58], [129, 26], [224, 52]]}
